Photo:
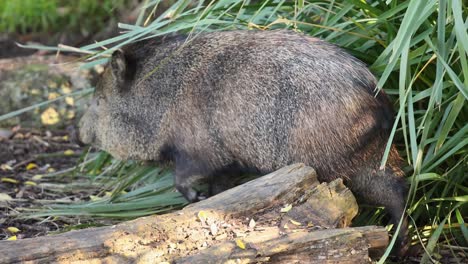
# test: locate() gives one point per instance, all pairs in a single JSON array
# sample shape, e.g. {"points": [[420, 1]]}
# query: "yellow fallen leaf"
{"points": [[10, 180], [50, 170], [12, 238], [202, 216], [35, 91], [6, 167], [30, 183], [286, 209], [51, 84], [99, 69], [95, 171], [240, 244], [31, 166], [53, 95], [294, 222], [70, 114], [13, 229], [94, 198], [37, 177], [69, 100], [65, 138], [65, 88], [50, 116], [68, 152]]}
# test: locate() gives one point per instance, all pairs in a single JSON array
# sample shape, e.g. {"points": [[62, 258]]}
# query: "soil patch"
{"points": [[28, 159]]}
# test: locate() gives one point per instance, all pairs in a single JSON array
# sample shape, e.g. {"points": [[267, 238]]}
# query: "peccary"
{"points": [[226, 102]]}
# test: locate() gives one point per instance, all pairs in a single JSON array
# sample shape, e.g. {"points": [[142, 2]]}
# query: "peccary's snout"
{"points": [[74, 135], [86, 134]]}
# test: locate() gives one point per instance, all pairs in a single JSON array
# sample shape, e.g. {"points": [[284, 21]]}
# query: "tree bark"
{"points": [[284, 217]]}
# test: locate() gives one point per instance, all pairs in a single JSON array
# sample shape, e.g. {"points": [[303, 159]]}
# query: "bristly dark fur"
{"points": [[248, 101]]}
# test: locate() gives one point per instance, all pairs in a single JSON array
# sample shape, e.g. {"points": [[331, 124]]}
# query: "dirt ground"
{"points": [[26, 156]]}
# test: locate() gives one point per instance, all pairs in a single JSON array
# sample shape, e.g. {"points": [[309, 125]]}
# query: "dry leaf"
{"points": [[286, 209], [221, 236], [70, 114], [68, 152], [69, 100], [31, 166], [51, 84], [65, 88], [50, 116], [202, 216], [30, 183], [94, 198], [99, 69], [53, 96], [35, 91], [294, 222], [213, 229], [252, 223], [12, 238], [10, 180], [37, 177], [6, 167], [240, 244], [5, 197], [13, 229]]}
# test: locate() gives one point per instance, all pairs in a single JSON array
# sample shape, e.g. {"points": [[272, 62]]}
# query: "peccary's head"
{"points": [[115, 120]]}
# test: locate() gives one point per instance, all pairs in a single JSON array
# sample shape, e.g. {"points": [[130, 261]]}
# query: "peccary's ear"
{"points": [[118, 66]]}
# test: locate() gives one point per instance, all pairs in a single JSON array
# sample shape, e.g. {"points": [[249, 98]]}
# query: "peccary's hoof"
{"points": [[202, 196], [191, 194]]}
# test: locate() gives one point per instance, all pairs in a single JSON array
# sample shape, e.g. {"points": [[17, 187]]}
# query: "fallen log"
{"points": [[339, 245], [284, 217]]}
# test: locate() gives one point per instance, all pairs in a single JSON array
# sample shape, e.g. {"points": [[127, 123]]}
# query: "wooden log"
{"points": [[344, 245], [286, 207]]}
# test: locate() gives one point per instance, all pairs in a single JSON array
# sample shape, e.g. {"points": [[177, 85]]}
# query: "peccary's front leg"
{"points": [[188, 173]]}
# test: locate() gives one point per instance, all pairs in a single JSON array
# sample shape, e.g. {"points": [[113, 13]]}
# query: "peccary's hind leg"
{"points": [[384, 188]]}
